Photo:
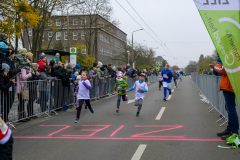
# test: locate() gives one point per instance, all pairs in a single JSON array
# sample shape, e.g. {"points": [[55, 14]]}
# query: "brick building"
{"points": [[103, 38]]}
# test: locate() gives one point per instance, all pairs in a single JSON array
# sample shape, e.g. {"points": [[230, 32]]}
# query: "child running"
{"points": [[167, 81], [140, 89], [83, 94], [120, 85], [160, 78], [175, 78]]}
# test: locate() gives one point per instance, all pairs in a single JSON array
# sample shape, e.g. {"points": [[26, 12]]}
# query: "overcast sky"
{"points": [[176, 22]]}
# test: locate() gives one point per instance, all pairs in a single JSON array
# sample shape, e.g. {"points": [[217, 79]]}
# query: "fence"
{"points": [[208, 85], [29, 99]]}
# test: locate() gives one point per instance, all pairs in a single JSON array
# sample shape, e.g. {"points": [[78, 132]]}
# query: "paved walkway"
{"points": [[178, 129]]}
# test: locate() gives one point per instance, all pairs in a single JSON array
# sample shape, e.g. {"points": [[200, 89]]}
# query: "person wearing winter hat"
{"points": [[121, 86], [42, 63], [29, 56], [77, 68], [56, 58], [4, 44], [5, 84], [21, 59], [9, 59]]}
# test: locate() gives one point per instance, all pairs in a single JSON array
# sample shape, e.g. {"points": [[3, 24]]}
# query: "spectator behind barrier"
{"points": [[42, 63], [5, 84], [4, 44], [21, 87], [21, 60], [32, 88], [56, 58], [230, 104], [43, 87]]}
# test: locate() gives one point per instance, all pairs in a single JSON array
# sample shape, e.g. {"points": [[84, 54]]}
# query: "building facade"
{"points": [[90, 34]]}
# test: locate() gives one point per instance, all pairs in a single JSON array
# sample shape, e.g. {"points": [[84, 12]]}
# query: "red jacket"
{"points": [[225, 82], [4, 129], [41, 65]]}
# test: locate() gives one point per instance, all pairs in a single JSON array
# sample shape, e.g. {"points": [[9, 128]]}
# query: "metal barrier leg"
{"points": [[11, 125], [226, 120], [211, 109], [219, 119]]}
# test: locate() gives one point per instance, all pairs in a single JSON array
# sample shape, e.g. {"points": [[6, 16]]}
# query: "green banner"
{"points": [[221, 18]]}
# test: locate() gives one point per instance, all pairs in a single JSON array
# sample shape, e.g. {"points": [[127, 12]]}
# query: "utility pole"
{"points": [[132, 43]]}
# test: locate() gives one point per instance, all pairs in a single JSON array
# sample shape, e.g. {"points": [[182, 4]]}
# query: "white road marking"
{"points": [[137, 155], [173, 90], [169, 97], [131, 101], [160, 113]]}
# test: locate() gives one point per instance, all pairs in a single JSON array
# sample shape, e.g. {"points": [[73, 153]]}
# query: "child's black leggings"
{"points": [[80, 101]]}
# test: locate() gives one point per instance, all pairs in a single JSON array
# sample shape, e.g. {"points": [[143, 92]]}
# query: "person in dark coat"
{"points": [[5, 84], [32, 87]]}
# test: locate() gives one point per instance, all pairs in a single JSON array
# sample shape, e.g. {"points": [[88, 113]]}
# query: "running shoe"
{"points": [[77, 120], [164, 99], [137, 114], [117, 110], [92, 110]]}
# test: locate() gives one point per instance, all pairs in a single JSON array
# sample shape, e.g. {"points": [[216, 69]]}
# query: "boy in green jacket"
{"points": [[56, 58], [120, 85]]}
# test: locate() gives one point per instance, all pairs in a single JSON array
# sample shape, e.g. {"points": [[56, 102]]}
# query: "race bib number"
{"points": [[119, 86], [164, 75], [3, 127]]}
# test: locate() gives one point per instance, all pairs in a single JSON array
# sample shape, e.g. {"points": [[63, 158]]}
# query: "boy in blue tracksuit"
{"points": [[167, 80]]}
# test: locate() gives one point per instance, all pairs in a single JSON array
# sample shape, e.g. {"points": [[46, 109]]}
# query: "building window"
{"points": [[49, 36], [75, 35], [30, 46], [84, 21], [30, 31], [100, 50], [65, 35], [66, 23], [75, 22], [58, 36], [101, 24], [107, 39], [58, 22], [101, 36], [105, 51], [49, 23], [83, 35], [65, 48], [83, 50]]}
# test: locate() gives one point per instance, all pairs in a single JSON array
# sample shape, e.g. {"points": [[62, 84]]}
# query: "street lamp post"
{"points": [[68, 21], [132, 41]]}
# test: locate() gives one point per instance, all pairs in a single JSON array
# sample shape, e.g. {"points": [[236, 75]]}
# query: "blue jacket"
{"points": [[216, 73], [3, 47], [73, 77], [167, 73], [112, 73], [10, 62]]}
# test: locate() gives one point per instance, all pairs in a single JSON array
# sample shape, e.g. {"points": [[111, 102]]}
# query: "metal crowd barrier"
{"points": [[208, 85], [29, 99]]}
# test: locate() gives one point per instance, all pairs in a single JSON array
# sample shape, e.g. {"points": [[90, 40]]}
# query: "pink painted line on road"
{"points": [[162, 130], [116, 131], [112, 138], [66, 126], [159, 126]]}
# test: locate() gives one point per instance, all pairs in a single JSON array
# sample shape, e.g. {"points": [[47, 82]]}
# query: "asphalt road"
{"points": [[183, 130]]}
